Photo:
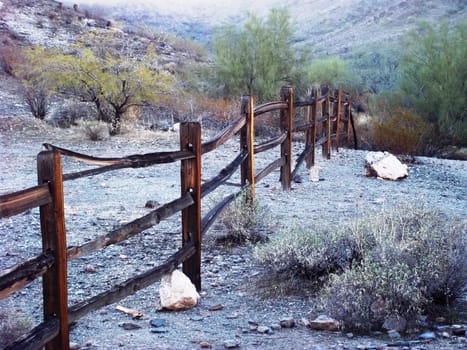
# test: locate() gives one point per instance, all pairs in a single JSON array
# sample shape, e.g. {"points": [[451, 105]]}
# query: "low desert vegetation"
{"points": [[12, 324], [400, 263], [242, 221]]}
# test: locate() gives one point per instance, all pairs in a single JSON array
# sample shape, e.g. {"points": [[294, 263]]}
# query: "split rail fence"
{"points": [[325, 120]]}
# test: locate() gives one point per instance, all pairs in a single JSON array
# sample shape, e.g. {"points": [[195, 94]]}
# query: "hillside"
{"points": [[54, 24], [328, 27]]}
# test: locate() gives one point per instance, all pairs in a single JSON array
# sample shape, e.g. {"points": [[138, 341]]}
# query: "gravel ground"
{"points": [[231, 304]]}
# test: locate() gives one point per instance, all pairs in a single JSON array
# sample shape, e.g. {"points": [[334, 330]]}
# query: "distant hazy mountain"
{"points": [[328, 27]]}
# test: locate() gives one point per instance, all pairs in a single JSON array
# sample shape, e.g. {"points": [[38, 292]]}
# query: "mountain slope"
{"points": [[328, 27]]}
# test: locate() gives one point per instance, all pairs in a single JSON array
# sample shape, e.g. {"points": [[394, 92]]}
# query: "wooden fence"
{"points": [[325, 120]]}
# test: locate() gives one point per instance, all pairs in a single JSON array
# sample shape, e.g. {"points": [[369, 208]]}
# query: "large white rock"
{"points": [[385, 165], [177, 292]]}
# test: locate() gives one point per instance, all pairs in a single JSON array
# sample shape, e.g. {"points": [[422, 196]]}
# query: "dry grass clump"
{"points": [[242, 221], [95, 130], [12, 326], [398, 264]]}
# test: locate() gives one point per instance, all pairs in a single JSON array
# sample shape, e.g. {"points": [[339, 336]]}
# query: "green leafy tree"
{"points": [[257, 58], [434, 77], [332, 72]]}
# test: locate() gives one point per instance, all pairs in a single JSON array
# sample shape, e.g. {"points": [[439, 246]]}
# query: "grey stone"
{"points": [[324, 323], [231, 344], [427, 336], [130, 326], [158, 322], [159, 330], [263, 329], [288, 322]]}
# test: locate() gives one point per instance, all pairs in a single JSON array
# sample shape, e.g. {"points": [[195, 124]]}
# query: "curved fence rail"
{"points": [[323, 119]]}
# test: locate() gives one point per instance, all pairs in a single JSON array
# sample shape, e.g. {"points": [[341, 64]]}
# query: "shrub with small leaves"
{"points": [[413, 259], [311, 254], [395, 264]]}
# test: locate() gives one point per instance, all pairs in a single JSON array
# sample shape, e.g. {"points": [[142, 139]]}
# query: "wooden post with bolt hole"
{"points": [[286, 116], [52, 215], [247, 139], [190, 140]]}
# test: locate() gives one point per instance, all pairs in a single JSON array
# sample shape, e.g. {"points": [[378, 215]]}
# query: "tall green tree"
{"points": [[258, 58], [434, 77]]}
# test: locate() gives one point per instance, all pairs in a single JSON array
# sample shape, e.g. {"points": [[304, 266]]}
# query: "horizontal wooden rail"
{"points": [[224, 135], [302, 127], [18, 202], [132, 161], [270, 106], [36, 338], [212, 215], [20, 275], [132, 228], [131, 285], [223, 175], [270, 143], [269, 169], [301, 158]]}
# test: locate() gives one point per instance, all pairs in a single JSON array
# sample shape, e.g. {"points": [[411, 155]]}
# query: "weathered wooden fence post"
{"points": [[247, 135], [311, 131], [349, 121], [190, 139], [326, 110], [286, 117], [54, 281], [338, 118]]}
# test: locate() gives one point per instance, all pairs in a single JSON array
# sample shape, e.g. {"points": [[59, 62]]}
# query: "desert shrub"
{"points": [[397, 263], [241, 219], [376, 66], [68, 113], [95, 130], [10, 54], [12, 325], [413, 259], [215, 113], [403, 132], [310, 254]]}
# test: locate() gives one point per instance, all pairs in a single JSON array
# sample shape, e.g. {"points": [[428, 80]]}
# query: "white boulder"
{"points": [[385, 166], [177, 292]]}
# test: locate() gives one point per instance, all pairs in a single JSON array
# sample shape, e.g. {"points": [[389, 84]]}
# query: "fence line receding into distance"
{"points": [[324, 118]]}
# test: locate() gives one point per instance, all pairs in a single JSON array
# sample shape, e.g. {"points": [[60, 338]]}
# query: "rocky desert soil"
{"points": [[232, 310]]}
